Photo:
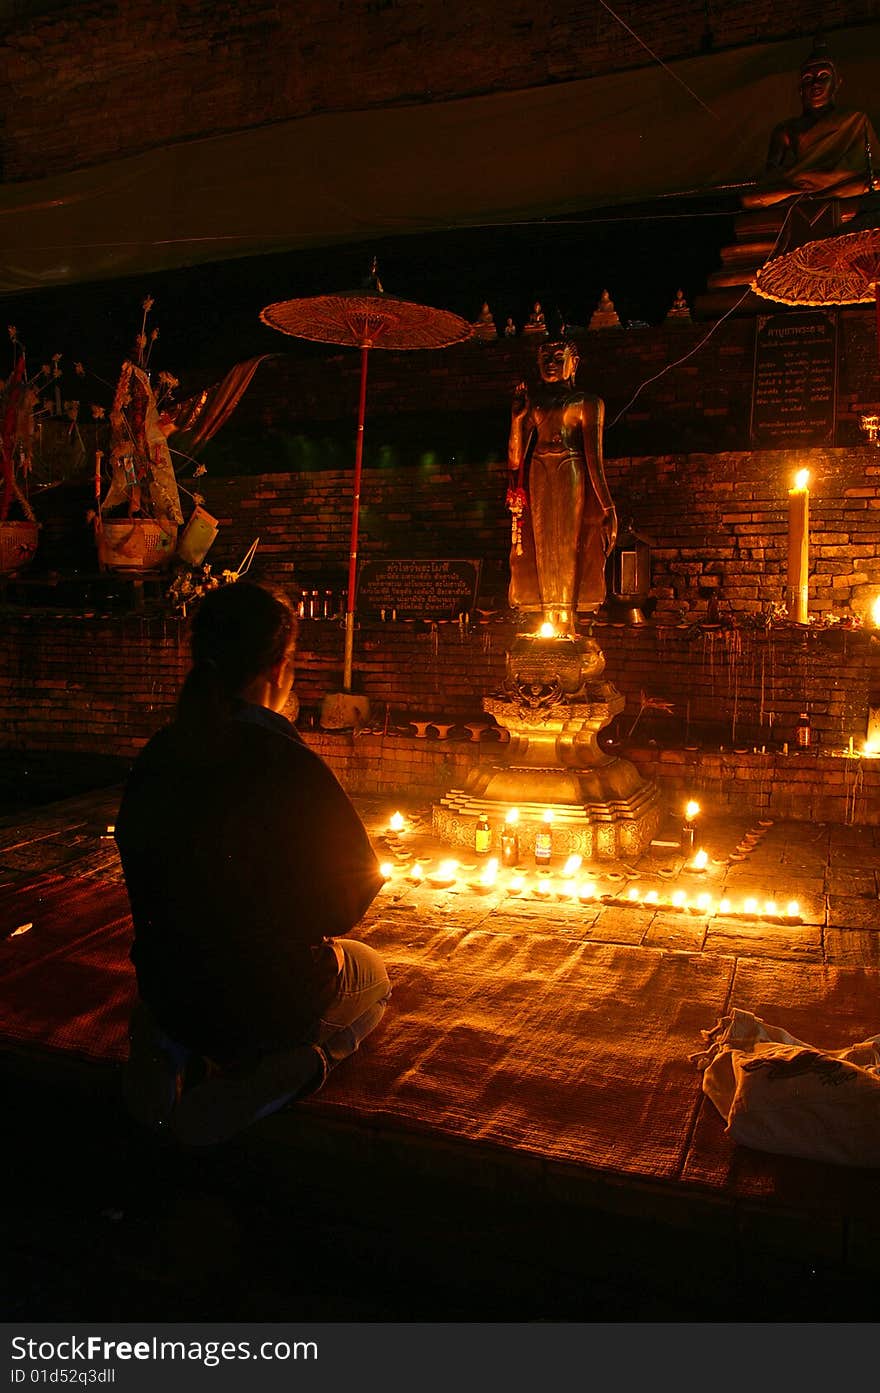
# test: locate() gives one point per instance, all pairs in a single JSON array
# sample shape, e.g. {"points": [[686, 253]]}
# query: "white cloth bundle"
{"points": [[778, 1093]]}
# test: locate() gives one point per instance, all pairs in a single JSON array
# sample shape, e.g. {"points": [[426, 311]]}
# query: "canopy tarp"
{"points": [[344, 177]]}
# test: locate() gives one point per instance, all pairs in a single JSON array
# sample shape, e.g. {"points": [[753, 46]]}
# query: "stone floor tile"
{"points": [[678, 932], [852, 882], [852, 947], [854, 912], [744, 938]]}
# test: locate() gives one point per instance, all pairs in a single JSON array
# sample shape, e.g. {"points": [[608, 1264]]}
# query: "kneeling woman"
{"points": [[244, 861]]}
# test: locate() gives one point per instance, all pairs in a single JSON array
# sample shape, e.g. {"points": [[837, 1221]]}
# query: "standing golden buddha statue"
{"points": [[564, 521]]}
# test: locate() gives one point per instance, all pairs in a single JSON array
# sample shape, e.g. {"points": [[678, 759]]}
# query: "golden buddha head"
{"points": [[558, 360], [820, 80]]}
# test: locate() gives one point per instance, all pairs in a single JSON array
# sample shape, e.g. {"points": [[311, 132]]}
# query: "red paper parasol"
{"points": [[364, 319], [839, 270]]}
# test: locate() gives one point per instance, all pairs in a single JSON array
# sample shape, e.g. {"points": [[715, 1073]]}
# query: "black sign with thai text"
{"points": [[431, 589], [794, 392]]}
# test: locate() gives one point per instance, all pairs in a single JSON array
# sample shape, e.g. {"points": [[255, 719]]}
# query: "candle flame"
{"points": [[572, 865], [704, 902], [793, 909], [679, 899], [633, 894], [416, 872], [770, 909], [568, 888], [652, 897], [871, 748], [547, 630], [875, 613], [724, 907], [691, 810], [750, 906], [548, 816], [386, 870], [516, 884], [396, 822], [512, 816], [701, 860], [801, 479], [490, 874], [587, 890], [447, 869]]}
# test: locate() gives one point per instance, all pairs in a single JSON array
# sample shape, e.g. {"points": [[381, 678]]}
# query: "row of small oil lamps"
{"points": [[571, 888]]}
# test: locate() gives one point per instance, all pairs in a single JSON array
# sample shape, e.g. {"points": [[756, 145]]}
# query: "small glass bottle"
{"points": [[316, 604], [803, 732], [327, 612], [482, 836], [544, 841]]}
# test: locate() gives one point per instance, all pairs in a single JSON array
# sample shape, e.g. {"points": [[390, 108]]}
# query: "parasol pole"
{"points": [[355, 513]]}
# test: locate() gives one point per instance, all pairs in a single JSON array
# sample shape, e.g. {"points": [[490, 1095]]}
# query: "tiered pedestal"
{"points": [[554, 704]]}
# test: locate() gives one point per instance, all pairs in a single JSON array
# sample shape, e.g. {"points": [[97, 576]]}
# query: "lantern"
{"points": [[630, 576]]}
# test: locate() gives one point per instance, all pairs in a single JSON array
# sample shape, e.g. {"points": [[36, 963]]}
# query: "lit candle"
{"points": [[679, 899], [793, 910], [700, 861], [547, 630], [572, 866], [704, 903], [396, 823], [516, 884], [724, 907], [691, 813], [490, 874], [416, 875], [750, 906], [587, 890], [510, 838], [386, 870], [543, 887], [652, 897], [444, 875], [799, 548]]}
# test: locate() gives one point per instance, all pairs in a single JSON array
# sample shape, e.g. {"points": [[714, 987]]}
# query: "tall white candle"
{"points": [[799, 548]]}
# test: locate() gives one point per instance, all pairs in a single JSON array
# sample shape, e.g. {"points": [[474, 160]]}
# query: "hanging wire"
{"points": [[658, 59], [717, 325]]}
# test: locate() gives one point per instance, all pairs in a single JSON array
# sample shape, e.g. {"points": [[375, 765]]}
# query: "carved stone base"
{"points": [[603, 828], [554, 703]]}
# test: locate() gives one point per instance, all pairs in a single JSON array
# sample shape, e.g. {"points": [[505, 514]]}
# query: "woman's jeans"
{"points": [[226, 1103]]}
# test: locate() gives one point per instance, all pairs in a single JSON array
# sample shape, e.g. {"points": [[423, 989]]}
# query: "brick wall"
{"points": [[104, 684], [114, 76], [803, 786], [718, 524], [703, 403]]}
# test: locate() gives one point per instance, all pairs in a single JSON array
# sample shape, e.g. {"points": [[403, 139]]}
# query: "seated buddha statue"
{"points": [[823, 150]]}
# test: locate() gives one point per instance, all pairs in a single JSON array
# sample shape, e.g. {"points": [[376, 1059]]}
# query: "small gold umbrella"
{"points": [[364, 319], [839, 270]]}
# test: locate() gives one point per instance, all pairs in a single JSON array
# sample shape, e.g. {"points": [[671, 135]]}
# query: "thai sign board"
{"points": [[424, 589], [794, 390]]}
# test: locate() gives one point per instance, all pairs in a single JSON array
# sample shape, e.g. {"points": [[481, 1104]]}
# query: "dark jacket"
{"points": [[242, 856]]}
